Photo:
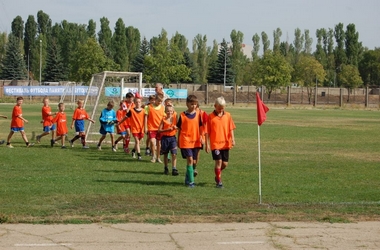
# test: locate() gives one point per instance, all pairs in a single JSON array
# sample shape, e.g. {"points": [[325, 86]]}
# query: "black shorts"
{"points": [[220, 154]]}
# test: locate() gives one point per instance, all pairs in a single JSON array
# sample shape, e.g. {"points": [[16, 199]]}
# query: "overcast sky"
{"points": [[213, 18]]}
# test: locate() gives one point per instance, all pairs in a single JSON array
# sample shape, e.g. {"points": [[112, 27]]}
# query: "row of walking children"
{"points": [[192, 131]]}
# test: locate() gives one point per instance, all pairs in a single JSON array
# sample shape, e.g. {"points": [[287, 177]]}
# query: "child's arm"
{"points": [[91, 120], [72, 123], [22, 118], [233, 138], [146, 124], [207, 145]]}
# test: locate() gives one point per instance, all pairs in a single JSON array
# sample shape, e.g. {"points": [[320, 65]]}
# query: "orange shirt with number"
{"points": [[61, 120], [17, 122], [46, 117]]}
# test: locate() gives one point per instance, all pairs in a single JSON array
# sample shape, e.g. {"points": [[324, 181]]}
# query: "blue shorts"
{"points": [[49, 128], [17, 129], [104, 131], [168, 143], [189, 152], [123, 133], [79, 126]]}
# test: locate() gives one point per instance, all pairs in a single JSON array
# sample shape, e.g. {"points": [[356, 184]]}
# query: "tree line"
{"points": [[73, 52]]}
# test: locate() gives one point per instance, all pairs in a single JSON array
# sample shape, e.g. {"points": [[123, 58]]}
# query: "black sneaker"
{"points": [[166, 171], [175, 172], [147, 151], [52, 142], [195, 173]]}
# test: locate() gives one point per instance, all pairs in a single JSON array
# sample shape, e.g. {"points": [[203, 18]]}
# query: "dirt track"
{"points": [[261, 235]]}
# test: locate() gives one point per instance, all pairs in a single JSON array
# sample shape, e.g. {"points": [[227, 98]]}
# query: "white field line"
{"points": [[240, 242]]}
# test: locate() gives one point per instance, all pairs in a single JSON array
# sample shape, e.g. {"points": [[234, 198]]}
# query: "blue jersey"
{"points": [[107, 121]]}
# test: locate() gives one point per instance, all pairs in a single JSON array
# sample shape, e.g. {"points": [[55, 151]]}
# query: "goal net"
{"points": [[104, 87], [69, 95]]}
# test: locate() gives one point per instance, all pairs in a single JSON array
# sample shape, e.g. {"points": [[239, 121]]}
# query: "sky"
{"points": [[213, 18]]}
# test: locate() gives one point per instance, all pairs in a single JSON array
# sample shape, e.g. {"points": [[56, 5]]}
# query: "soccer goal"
{"points": [[68, 96], [104, 87]]}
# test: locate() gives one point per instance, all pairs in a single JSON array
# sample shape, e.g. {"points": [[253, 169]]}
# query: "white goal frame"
{"points": [[104, 75]]}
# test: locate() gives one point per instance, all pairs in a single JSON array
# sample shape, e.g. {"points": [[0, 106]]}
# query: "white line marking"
{"points": [[240, 242], [41, 245]]}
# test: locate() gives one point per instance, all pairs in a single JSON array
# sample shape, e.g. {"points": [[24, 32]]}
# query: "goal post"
{"points": [[96, 97]]}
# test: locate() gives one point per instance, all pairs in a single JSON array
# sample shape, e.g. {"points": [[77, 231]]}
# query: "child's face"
{"points": [[138, 102], [169, 111], [157, 102], [61, 108], [46, 102], [129, 99], [191, 106], [219, 108], [109, 106], [80, 104], [19, 102]]}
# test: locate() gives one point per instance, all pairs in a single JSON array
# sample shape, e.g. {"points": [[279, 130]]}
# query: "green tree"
{"points": [[298, 43], [350, 78], [18, 28], [265, 41], [119, 48], [308, 42], [13, 65], [138, 62], [165, 63], [44, 23], [369, 67], [273, 71], [30, 41], [256, 47], [201, 58], [89, 59], [91, 29], [54, 69], [105, 36], [238, 59], [133, 44], [277, 39], [308, 72], [352, 45], [221, 71]]}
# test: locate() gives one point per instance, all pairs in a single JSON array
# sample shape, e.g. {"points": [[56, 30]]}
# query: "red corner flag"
{"points": [[262, 109]]}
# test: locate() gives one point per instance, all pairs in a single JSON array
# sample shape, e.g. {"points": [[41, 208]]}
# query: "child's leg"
{"points": [[63, 140], [189, 180], [153, 147], [76, 137], [101, 140], [83, 138], [166, 169], [158, 149], [218, 171], [174, 161], [9, 137], [23, 135]]}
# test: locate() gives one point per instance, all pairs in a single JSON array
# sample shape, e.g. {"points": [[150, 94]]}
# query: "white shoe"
{"points": [[99, 148], [9, 146], [114, 149], [86, 147]]}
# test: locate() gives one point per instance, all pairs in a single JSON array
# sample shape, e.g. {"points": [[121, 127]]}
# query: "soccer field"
{"points": [[317, 164]]}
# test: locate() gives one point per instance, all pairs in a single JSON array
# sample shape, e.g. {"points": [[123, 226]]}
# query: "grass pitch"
{"points": [[317, 165]]}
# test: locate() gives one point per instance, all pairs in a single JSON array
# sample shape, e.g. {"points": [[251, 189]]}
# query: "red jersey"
{"points": [[155, 115], [190, 127], [80, 114], [46, 117], [136, 121], [61, 121], [17, 122], [219, 130]]}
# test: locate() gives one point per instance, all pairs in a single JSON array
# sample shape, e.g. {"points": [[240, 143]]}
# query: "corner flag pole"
{"points": [[258, 142], [262, 109]]}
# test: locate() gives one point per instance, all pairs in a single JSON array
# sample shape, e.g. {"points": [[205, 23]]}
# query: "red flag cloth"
{"points": [[262, 109]]}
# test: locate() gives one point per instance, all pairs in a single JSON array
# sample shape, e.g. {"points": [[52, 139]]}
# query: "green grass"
{"points": [[319, 165]]}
